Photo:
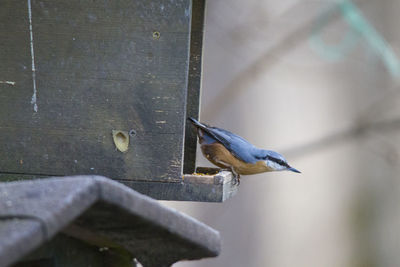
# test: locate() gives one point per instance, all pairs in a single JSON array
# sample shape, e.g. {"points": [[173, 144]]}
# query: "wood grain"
{"points": [[98, 68]]}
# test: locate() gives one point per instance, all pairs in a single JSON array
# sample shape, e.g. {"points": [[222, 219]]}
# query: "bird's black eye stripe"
{"points": [[279, 161]]}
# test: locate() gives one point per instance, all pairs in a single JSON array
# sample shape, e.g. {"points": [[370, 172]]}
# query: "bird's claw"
{"points": [[236, 179]]}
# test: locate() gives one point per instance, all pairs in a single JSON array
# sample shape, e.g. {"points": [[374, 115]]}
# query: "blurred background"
{"points": [[318, 82]]}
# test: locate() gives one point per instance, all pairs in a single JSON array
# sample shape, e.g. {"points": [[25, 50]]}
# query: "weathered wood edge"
{"points": [[194, 83], [194, 187], [216, 187], [90, 202]]}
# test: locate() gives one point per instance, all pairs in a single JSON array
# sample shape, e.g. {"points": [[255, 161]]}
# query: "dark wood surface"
{"points": [[99, 66], [101, 213], [209, 185], [194, 83], [216, 187]]}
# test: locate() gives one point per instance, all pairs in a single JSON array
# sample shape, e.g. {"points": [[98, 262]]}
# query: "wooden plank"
{"points": [[103, 213], [100, 66], [58, 251], [194, 83], [206, 188], [215, 187]]}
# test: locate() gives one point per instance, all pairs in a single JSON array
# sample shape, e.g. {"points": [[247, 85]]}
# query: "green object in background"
{"points": [[359, 26]]}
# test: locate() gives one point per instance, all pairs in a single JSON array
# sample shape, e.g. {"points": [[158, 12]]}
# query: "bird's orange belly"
{"points": [[220, 156]]}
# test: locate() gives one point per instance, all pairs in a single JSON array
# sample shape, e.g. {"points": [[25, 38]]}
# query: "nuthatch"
{"points": [[230, 151]]}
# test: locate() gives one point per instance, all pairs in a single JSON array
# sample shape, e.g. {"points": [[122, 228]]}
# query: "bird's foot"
{"points": [[236, 179]]}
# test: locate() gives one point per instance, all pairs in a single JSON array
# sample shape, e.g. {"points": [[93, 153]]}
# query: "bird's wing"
{"points": [[238, 146]]}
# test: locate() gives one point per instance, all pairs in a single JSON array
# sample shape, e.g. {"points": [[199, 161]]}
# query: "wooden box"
{"points": [[75, 72]]}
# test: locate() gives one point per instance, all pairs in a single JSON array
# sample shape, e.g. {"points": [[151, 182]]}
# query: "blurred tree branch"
{"points": [[358, 130], [246, 77]]}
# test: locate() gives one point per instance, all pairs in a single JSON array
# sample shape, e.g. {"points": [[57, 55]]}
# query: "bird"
{"points": [[230, 151]]}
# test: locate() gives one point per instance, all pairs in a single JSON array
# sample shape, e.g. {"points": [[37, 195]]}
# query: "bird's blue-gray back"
{"points": [[238, 146]]}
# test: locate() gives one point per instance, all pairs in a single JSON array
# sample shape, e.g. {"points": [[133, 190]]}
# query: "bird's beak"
{"points": [[293, 170]]}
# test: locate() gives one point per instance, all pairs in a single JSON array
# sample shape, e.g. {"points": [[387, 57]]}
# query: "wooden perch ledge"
{"points": [[207, 184]]}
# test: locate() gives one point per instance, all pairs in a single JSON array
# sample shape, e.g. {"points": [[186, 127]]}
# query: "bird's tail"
{"points": [[209, 131], [197, 123]]}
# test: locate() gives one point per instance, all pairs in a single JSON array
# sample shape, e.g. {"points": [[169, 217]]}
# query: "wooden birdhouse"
{"points": [[104, 88]]}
